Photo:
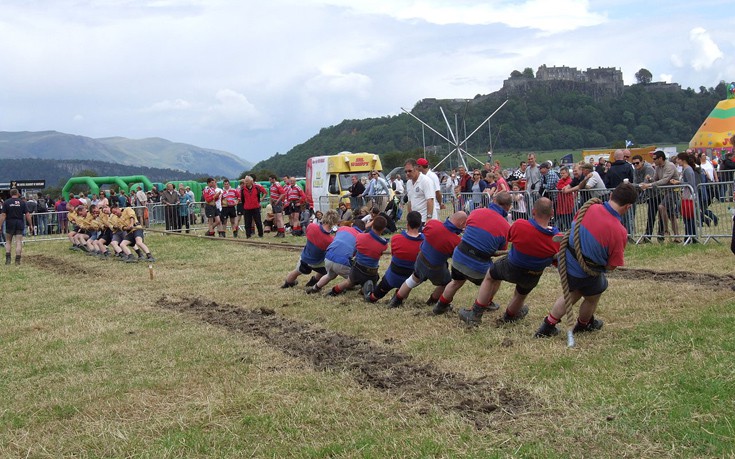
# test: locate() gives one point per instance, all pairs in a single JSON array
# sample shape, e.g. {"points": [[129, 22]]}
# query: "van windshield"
{"points": [[345, 179]]}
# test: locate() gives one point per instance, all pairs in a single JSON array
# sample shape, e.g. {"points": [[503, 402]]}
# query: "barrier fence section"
{"points": [[677, 213]]}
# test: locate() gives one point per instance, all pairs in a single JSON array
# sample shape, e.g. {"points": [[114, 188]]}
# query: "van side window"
{"points": [[333, 185]]}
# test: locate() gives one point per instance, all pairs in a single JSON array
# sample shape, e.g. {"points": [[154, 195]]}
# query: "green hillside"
{"points": [[547, 117]]}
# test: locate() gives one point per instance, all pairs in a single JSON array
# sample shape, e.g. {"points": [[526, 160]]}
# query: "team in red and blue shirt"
{"points": [[603, 239], [486, 233], [404, 250]]}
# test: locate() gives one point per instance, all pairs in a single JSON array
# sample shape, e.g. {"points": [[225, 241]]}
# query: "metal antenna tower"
{"points": [[459, 147]]}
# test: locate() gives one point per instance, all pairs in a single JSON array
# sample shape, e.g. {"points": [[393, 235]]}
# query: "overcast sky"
{"points": [[259, 77]]}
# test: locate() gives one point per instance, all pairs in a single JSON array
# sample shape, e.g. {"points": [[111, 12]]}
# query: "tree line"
{"points": [[544, 118]]}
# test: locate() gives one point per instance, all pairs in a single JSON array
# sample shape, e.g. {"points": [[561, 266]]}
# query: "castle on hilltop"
{"points": [[599, 82]]}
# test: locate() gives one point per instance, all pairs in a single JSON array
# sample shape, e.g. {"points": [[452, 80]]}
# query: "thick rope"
{"points": [[568, 303]]}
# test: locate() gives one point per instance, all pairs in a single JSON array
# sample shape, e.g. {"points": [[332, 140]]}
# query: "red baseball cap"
{"points": [[423, 162]]}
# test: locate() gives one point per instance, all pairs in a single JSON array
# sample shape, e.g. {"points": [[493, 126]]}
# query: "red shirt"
{"points": [[209, 194], [277, 192], [229, 197], [251, 196], [295, 193]]}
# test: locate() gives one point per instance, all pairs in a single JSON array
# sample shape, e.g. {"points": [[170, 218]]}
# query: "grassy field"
{"points": [[210, 358]]}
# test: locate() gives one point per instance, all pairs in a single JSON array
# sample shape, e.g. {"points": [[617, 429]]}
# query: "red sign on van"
{"points": [[359, 162]]}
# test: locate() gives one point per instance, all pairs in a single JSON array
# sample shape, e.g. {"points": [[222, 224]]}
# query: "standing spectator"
{"points": [[62, 215], [14, 215], [170, 200], [688, 196], [122, 199], [277, 197], [564, 201], [356, 191], [662, 203], [476, 187], [603, 245], [153, 200], [533, 175], [141, 203], [423, 165], [42, 214], [251, 195], [518, 175], [376, 190], [549, 178], [619, 171], [463, 180], [230, 198], [183, 209], [397, 184], [212, 205], [295, 197], [31, 205], [420, 191]]}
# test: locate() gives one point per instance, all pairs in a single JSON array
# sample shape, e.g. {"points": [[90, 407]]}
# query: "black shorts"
{"points": [[360, 274], [277, 208], [460, 276], [588, 286], [106, 236], [524, 279], [438, 276], [14, 227], [239, 210], [292, 208], [211, 211], [307, 269], [130, 236], [228, 212]]}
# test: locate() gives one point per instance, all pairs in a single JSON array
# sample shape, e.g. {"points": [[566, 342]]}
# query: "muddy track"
{"points": [[60, 266], [713, 281], [482, 401]]}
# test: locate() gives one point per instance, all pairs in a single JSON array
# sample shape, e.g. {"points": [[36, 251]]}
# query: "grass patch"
{"points": [[91, 365]]}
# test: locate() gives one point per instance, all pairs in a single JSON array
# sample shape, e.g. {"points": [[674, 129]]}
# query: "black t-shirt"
{"points": [[14, 209]]}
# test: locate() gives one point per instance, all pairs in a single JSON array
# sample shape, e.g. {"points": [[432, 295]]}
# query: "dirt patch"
{"points": [[713, 281], [57, 265], [483, 401]]}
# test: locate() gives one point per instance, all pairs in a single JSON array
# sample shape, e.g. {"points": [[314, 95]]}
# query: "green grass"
{"points": [[91, 366]]}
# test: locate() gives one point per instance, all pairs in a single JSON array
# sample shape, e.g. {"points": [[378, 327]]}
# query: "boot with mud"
{"points": [[313, 289], [287, 284], [441, 307], [395, 302], [312, 282], [367, 289], [546, 330], [17, 260], [510, 318], [7, 258], [473, 316], [592, 325]]}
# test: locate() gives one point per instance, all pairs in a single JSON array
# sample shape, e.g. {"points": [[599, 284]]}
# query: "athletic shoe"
{"points": [[507, 318], [311, 282], [150, 259], [287, 284], [395, 302], [593, 325], [472, 316], [441, 308], [546, 330], [431, 301], [333, 292], [367, 289], [313, 289]]}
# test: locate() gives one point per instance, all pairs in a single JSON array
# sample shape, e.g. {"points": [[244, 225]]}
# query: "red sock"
{"points": [[481, 305], [444, 300], [552, 320], [337, 289]]}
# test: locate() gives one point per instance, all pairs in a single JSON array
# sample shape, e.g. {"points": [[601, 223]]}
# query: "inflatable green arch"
{"points": [[93, 183]]}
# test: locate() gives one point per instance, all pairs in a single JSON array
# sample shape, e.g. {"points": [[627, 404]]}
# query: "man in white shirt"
{"points": [[423, 165], [420, 190], [397, 184], [142, 201]]}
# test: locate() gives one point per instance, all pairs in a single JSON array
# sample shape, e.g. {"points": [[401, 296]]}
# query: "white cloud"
{"points": [[232, 108], [706, 51], [169, 105], [666, 77], [543, 15]]}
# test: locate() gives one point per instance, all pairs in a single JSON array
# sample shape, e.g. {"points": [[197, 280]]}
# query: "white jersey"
{"points": [[419, 193], [437, 187]]}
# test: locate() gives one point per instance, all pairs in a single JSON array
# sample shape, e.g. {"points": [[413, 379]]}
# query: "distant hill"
{"points": [[57, 172], [153, 152], [542, 113]]}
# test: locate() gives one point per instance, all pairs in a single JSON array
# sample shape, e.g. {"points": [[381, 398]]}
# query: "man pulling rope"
{"points": [[598, 244]]}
